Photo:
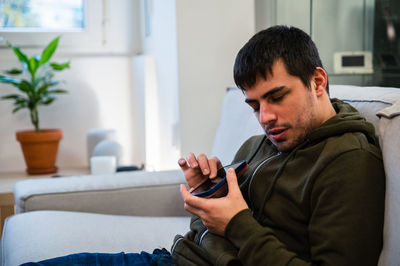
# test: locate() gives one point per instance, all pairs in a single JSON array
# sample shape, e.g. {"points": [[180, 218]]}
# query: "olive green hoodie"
{"points": [[320, 204]]}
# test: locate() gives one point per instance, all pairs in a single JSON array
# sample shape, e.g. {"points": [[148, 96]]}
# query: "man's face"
{"points": [[285, 108]]}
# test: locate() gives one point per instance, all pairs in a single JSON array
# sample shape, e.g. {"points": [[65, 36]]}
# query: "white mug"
{"points": [[103, 165]]}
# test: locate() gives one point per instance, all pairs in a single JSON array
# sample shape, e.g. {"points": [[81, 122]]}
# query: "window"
{"points": [[42, 15], [33, 23]]}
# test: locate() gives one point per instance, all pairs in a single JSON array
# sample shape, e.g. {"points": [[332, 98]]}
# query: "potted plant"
{"points": [[35, 87]]}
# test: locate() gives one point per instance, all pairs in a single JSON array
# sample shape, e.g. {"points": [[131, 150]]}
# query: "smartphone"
{"points": [[217, 187]]}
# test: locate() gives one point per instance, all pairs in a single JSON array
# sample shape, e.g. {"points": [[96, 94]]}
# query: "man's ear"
{"points": [[320, 80]]}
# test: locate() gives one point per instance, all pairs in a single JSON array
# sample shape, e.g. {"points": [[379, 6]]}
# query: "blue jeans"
{"points": [[158, 258]]}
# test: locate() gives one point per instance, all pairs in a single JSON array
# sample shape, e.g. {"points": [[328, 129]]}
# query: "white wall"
{"points": [[161, 96], [210, 33], [265, 13], [190, 52]]}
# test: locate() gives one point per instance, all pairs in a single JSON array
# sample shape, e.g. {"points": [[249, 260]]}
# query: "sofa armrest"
{"points": [[137, 193]]}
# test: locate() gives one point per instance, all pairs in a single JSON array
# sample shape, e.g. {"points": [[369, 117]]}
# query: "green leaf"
{"points": [[48, 101], [33, 65], [54, 82], [14, 71], [48, 51], [21, 101], [5, 79], [11, 96], [26, 87], [21, 56], [60, 67], [43, 88], [57, 91], [16, 109]]}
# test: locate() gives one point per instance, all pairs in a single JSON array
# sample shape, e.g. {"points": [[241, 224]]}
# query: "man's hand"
{"points": [[196, 170], [217, 212]]}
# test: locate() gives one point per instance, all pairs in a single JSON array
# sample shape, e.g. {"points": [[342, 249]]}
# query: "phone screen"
{"points": [[217, 187]]}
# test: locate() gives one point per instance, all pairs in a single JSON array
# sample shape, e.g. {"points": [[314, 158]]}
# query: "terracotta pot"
{"points": [[40, 149]]}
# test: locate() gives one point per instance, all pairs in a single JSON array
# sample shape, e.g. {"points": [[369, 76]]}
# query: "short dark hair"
{"points": [[290, 44]]}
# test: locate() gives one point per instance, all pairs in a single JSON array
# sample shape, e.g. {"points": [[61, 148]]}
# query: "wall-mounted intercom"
{"points": [[356, 62]]}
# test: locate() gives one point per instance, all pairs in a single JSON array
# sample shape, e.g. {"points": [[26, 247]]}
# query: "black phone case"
{"points": [[238, 166]]}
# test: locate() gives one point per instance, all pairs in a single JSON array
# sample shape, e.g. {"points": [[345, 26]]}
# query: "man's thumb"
{"points": [[231, 179]]}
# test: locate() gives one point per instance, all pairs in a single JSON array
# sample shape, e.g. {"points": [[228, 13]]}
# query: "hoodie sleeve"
{"points": [[346, 219], [208, 248]]}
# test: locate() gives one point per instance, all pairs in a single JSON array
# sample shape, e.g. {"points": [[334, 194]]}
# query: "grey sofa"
{"points": [[137, 211]]}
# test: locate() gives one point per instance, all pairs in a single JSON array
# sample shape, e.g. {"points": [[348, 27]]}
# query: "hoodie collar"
{"points": [[347, 119]]}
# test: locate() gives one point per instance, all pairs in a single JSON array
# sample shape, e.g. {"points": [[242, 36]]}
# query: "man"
{"points": [[314, 193]]}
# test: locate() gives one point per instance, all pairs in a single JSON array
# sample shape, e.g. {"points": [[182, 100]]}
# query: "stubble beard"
{"points": [[304, 126]]}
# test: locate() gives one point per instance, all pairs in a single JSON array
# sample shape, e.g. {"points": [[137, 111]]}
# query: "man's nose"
{"points": [[266, 115]]}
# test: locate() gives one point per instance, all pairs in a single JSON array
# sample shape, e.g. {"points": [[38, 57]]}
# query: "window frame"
{"points": [[90, 39]]}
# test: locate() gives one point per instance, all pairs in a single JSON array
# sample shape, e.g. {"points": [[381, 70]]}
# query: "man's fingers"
{"points": [[183, 164], [184, 191], [208, 167], [191, 159], [215, 164], [203, 163], [190, 200], [188, 207], [234, 192], [231, 179]]}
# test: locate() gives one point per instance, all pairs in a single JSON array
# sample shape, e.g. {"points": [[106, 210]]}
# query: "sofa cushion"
{"points": [[40, 235]]}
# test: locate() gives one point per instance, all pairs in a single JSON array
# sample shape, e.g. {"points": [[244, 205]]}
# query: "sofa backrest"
{"points": [[380, 106], [237, 124]]}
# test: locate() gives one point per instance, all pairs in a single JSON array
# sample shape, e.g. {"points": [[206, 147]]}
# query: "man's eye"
{"points": [[277, 99], [255, 107]]}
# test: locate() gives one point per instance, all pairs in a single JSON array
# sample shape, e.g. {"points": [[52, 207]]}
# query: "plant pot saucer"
{"points": [[40, 171]]}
